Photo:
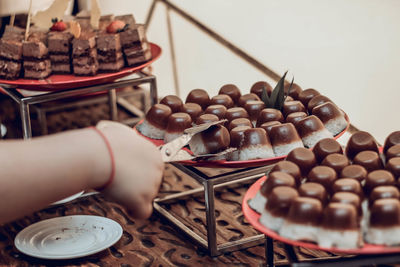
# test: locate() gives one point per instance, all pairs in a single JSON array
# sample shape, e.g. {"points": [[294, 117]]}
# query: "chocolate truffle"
{"points": [[257, 88], [304, 158], [312, 130], [331, 117], [218, 110], [199, 96], [284, 138], [295, 117], [393, 152], [323, 175], [355, 172], [391, 140], [314, 190], [295, 90], [316, 101], [303, 219], [278, 203], [254, 108], [235, 113], [237, 136], [292, 106], [326, 147], [230, 90], [289, 98], [370, 160], [336, 161], [172, 101], [239, 122], [206, 118], [269, 114], [385, 191], [222, 100], [276, 179], [268, 125], [155, 122], [177, 123], [247, 97], [348, 198], [213, 140], [360, 141], [378, 178], [255, 145], [290, 168], [193, 109], [384, 223], [393, 165], [348, 185], [306, 95]]}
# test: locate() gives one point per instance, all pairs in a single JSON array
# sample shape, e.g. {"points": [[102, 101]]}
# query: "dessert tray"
{"points": [[57, 82], [253, 218], [226, 163]]}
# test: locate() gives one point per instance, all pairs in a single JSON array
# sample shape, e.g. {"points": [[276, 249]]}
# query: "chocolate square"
{"points": [[88, 59], [11, 49], [34, 49], [132, 35], [9, 69], [106, 42], [82, 45], [60, 42]]}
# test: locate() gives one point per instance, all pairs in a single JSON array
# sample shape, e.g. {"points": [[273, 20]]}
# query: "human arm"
{"points": [[37, 172]]}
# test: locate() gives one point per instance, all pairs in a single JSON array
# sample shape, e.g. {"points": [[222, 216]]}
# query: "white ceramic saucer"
{"points": [[68, 237]]}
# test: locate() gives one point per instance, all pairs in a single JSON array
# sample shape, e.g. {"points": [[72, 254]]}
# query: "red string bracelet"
{"points": [[110, 152]]}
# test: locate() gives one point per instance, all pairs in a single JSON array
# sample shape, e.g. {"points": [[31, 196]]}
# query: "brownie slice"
{"points": [[11, 52], [37, 69], [14, 33], [35, 54], [84, 54], [132, 35], [11, 49], [34, 50]]}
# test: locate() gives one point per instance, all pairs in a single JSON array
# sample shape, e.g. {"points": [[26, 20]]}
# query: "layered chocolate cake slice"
{"points": [[35, 55], [60, 47], [134, 45], [11, 52], [109, 52], [84, 54]]}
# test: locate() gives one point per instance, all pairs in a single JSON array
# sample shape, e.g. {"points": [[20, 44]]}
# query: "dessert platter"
{"points": [[332, 199], [262, 127], [72, 54]]}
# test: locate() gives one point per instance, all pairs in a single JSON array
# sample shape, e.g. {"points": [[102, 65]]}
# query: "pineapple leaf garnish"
{"points": [[278, 95]]}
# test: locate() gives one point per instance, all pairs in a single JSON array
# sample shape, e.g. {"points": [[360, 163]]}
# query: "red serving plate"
{"points": [[253, 217], [57, 82], [233, 164]]}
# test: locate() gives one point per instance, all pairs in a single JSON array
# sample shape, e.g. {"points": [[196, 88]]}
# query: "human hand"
{"points": [[138, 168]]}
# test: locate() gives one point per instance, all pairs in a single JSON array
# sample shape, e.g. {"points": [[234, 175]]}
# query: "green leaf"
{"points": [[278, 96], [290, 88], [265, 97]]}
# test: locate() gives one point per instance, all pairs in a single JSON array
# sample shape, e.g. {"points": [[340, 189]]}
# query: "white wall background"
{"points": [[348, 50]]}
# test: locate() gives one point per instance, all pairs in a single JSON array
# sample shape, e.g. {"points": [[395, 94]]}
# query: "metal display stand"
{"points": [[25, 102], [210, 184]]}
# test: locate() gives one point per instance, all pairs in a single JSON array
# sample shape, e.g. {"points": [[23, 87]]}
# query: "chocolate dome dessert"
{"points": [[224, 100], [230, 90], [255, 145], [258, 87], [314, 190], [284, 138], [174, 102], [306, 95], [198, 96], [295, 90], [269, 114], [360, 141], [218, 110], [155, 121], [331, 117], [336, 161], [304, 158], [247, 97], [325, 147], [206, 118], [393, 152], [295, 117], [239, 122], [290, 168], [370, 160], [254, 108], [323, 175], [312, 130], [316, 101], [391, 140], [213, 140], [235, 113], [292, 106], [354, 171], [237, 137], [193, 109], [177, 123], [268, 125]]}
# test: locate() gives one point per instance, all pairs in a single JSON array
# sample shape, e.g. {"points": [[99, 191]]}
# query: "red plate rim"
{"points": [[253, 218], [234, 164], [57, 82]]}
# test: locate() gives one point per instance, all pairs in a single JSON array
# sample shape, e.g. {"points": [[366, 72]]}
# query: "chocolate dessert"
{"points": [[269, 114], [304, 158], [336, 161], [11, 54], [174, 102], [239, 122], [316, 101], [348, 185], [230, 90], [257, 88], [268, 125], [213, 140], [393, 166], [370, 160], [331, 116], [247, 97], [354, 171], [295, 117], [294, 92], [292, 106], [306, 95], [314, 190], [393, 152], [290, 168], [255, 145], [84, 54], [284, 138], [177, 123], [198, 96], [323, 175], [134, 45], [391, 140], [36, 63], [206, 118], [360, 141], [224, 100], [326, 147], [109, 52], [312, 130], [155, 122], [254, 108], [60, 50], [236, 113], [237, 137], [218, 110]]}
